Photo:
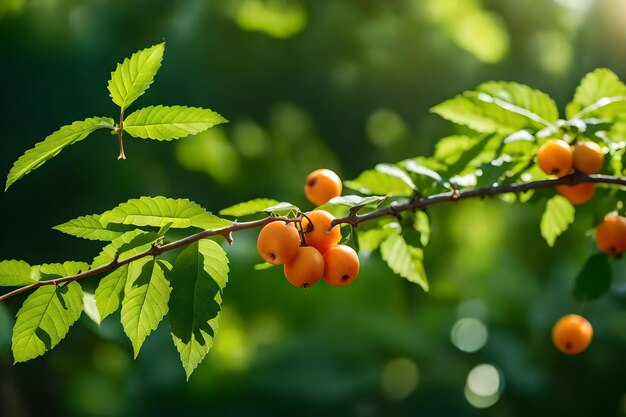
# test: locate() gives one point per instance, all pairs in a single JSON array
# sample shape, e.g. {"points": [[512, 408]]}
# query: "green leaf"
{"points": [[113, 249], [110, 290], [384, 179], [594, 279], [170, 122], [143, 240], [493, 172], [199, 275], [90, 308], [90, 227], [282, 208], [404, 260], [500, 107], [66, 269], [53, 144], [412, 166], [159, 211], [45, 318], [249, 207], [145, 299], [449, 149], [356, 201], [461, 153], [422, 225], [600, 94], [15, 274], [133, 77], [370, 240], [557, 217]]}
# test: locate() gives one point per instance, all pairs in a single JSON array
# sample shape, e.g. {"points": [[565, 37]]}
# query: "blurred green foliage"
{"points": [[305, 84]]}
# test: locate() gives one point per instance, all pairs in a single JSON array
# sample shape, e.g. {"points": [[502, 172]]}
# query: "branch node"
{"points": [[155, 250]]}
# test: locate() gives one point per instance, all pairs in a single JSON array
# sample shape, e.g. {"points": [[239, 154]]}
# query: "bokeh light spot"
{"points": [[399, 378], [210, 152], [469, 334], [275, 18], [385, 127], [250, 139], [483, 381]]}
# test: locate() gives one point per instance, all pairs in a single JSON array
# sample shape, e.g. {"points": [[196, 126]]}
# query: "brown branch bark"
{"points": [[352, 219]]}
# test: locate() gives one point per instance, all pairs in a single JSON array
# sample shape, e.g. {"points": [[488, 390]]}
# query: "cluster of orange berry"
{"points": [[311, 251], [557, 157]]}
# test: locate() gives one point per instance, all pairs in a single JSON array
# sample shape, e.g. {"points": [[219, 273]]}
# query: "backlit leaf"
{"points": [[133, 77], [53, 144], [556, 219], [45, 318], [199, 275], [170, 122]]}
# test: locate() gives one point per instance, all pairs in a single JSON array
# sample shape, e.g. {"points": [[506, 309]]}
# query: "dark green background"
{"points": [[296, 103]]}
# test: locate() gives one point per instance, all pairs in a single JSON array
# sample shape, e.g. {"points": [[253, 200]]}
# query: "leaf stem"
{"points": [[353, 219], [120, 133]]}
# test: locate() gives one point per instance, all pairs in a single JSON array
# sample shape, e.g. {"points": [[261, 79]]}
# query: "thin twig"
{"points": [[120, 134], [353, 219]]}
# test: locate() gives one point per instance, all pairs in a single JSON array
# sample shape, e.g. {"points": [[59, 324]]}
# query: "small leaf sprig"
{"points": [[129, 81]]}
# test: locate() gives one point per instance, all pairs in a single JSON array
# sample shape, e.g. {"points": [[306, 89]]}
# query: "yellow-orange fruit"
{"points": [[320, 237], [321, 185], [278, 242], [572, 334], [588, 157], [306, 268], [611, 235], [577, 194], [341, 265], [555, 157]]}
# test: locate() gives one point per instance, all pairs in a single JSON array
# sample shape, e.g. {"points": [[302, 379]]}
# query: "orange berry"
{"points": [[588, 157], [321, 185], [577, 194], [341, 265], [278, 242], [306, 268], [321, 237], [555, 157], [611, 235], [572, 334]]}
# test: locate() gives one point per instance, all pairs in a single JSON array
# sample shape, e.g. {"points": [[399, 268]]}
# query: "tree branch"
{"points": [[456, 195], [352, 219]]}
